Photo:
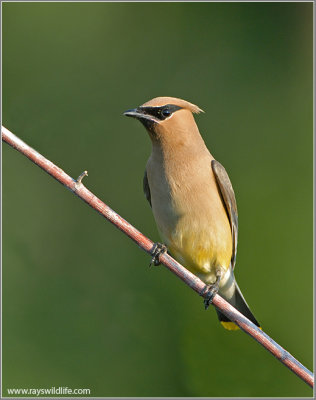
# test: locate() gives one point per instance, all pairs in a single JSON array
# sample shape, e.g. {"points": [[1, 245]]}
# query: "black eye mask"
{"points": [[160, 113]]}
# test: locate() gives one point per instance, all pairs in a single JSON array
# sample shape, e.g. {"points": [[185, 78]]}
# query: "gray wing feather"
{"points": [[228, 195], [146, 188]]}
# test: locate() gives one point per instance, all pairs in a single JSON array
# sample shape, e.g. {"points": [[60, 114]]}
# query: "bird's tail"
{"points": [[236, 300]]}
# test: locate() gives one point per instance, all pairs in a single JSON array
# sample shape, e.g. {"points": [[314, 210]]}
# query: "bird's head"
{"points": [[165, 116]]}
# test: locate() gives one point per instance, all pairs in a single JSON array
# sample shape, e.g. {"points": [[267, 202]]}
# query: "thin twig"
{"points": [[146, 244]]}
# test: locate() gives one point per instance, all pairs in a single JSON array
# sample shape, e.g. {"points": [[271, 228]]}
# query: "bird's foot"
{"points": [[208, 293], [157, 250]]}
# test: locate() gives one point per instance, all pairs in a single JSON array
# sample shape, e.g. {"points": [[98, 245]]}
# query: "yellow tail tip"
{"points": [[230, 326]]}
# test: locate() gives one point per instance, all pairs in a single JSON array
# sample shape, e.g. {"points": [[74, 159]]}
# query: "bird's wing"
{"points": [[228, 196], [146, 188]]}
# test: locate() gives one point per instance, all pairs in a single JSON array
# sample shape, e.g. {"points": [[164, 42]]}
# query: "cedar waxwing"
{"points": [[192, 199]]}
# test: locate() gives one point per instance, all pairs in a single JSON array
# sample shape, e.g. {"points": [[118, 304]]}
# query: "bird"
{"points": [[192, 200]]}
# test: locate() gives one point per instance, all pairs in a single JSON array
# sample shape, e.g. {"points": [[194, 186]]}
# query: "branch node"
{"points": [[81, 176]]}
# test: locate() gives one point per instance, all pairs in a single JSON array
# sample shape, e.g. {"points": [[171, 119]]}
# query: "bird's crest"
{"points": [[161, 101]]}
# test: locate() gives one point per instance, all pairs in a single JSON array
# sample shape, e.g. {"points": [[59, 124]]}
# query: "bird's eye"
{"points": [[165, 112]]}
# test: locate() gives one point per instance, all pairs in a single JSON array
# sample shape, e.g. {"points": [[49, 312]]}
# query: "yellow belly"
{"points": [[201, 249]]}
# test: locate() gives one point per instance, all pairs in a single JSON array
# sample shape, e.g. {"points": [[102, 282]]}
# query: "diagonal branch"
{"points": [[146, 244]]}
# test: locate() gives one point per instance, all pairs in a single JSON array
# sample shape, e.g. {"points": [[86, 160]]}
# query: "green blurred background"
{"points": [[81, 308]]}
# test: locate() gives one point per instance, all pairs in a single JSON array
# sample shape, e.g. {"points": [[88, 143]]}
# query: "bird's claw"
{"points": [[208, 293], [157, 250]]}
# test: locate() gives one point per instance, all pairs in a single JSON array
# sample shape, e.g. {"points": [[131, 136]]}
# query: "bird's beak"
{"points": [[141, 115], [133, 112]]}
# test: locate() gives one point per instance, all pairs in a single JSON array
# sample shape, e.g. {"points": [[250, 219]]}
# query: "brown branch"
{"points": [[146, 244]]}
